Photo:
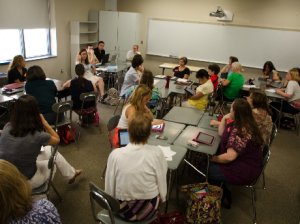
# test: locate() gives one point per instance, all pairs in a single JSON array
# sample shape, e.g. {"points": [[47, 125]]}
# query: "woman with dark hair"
{"points": [[182, 71], [16, 201], [239, 158], [213, 71], [136, 174], [90, 71], [268, 70], [22, 139], [43, 90], [200, 99], [226, 71], [17, 70]]}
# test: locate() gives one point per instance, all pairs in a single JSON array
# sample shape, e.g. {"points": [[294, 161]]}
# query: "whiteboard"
{"points": [[215, 43]]}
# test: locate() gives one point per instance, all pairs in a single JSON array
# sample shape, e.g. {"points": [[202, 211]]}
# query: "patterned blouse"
{"points": [[43, 211], [264, 123], [248, 165]]}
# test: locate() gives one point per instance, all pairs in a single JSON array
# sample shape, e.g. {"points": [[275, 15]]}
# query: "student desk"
{"points": [[165, 66], [171, 131], [205, 122], [191, 132], [184, 115]]}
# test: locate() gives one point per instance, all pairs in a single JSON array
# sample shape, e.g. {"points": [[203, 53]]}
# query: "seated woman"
{"points": [[22, 139], [137, 103], [268, 70], [82, 58], [200, 99], [16, 202], [17, 70], [79, 85], [136, 174], [182, 71], [261, 113], [291, 93], [234, 83], [213, 71], [147, 79], [226, 71], [239, 158], [43, 90]]}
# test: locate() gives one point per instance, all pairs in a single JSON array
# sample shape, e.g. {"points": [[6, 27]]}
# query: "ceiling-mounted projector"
{"points": [[222, 15]]}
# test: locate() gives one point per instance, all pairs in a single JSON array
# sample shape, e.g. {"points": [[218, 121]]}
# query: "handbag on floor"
{"points": [[203, 203], [169, 218]]}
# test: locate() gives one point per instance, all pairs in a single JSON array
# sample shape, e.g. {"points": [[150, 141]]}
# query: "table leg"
{"points": [[207, 167], [169, 190], [163, 71]]}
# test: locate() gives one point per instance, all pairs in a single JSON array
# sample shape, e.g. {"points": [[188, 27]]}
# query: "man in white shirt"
{"points": [[137, 172], [131, 53]]}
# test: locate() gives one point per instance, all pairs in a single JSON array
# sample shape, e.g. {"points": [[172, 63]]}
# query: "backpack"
{"points": [[67, 133], [112, 97]]}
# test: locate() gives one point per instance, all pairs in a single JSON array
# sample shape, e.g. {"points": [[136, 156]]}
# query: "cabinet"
{"points": [[82, 34], [119, 31]]}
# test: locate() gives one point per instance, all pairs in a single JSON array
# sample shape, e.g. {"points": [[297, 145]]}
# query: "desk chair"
{"points": [[88, 108], [63, 108], [110, 207], [45, 187], [111, 125], [266, 158]]}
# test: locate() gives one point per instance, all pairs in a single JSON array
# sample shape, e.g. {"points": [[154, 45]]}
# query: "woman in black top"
{"points": [[182, 71], [17, 70], [80, 85], [43, 90]]}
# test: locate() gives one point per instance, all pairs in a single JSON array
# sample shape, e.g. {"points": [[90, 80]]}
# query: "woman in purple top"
{"points": [[239, 158]]}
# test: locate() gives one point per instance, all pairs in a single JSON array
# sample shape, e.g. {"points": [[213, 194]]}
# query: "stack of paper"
{"points": [[168, 153], [182, 80], [271, 90]]}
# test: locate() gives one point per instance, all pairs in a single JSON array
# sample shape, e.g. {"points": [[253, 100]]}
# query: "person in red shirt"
{"points": [[213, 71]]}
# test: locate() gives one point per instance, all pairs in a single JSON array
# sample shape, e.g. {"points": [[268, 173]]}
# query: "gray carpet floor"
{"points": [[279, 203]]}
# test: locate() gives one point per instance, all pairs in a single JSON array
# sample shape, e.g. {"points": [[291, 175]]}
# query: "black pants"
{"points": [[286, 108]]}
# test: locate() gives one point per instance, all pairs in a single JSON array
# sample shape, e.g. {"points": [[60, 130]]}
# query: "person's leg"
{"points": [[275, 106], [215, 175], [101, 86]]}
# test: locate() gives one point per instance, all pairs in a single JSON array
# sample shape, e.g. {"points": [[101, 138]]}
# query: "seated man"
{"points": [[200, 99], [133, 52], [234, 83], [132, 76], [136, 173]]}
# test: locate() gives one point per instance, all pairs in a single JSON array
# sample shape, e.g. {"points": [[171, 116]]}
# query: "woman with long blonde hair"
{"points": [[16, 201], [16, 70]]}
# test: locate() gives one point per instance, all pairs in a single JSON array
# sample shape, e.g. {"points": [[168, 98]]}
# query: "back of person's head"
{"points": [[137, 60], [295, 74], [16, 62], [236, 67], [184, 59], [260, 100], [268, 66], [79, 70], [214, 68], [25, 117], [15, 193], [136, 98], [244, 120], [147, 78], [35, 73], [202, 74], [139, 128], [233, 59]]}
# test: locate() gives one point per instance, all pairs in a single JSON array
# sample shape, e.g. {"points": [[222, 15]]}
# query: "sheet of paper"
{"points": [[168, 153], [155, 81], [249, 86], [271, 90], [182, 80], [160, 76]]}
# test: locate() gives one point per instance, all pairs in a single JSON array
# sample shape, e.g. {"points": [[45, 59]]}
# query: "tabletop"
{"points": [[184, 115], [191, 132], [171, 131], [205, 122]]}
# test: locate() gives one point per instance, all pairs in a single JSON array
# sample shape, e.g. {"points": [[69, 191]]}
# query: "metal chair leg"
{"points": [[253, 192], [263, 179], [55, 190]]}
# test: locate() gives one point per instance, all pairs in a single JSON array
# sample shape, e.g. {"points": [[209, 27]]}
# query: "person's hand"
{"points": [[278, 90], [214, 123], [228, 116], [78, 58], [157, 122]]}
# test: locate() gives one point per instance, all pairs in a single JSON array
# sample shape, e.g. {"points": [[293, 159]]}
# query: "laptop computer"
{"points": [[123, 137]]}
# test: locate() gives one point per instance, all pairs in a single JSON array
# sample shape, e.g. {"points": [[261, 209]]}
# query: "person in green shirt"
{"points": [[234, 83]]}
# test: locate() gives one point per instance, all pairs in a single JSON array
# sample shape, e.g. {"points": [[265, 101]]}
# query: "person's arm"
{"points": [[225, 69], [225, 82], [281, 92], [222, 124], [215, 123], [197, 96], [110, 178], [78, 59], [187, 73], [161, 176], [227, 157], [54, 137], [67, 84]]}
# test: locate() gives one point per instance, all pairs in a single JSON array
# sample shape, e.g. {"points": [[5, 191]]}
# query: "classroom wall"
{"points": [[65, 11], [266, 13]]}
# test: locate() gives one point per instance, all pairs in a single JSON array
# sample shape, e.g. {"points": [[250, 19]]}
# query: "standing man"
{"points": [[131, 53], [99, 51]]}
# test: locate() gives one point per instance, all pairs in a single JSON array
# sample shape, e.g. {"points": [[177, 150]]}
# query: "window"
{"points": [[30, 43]]}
